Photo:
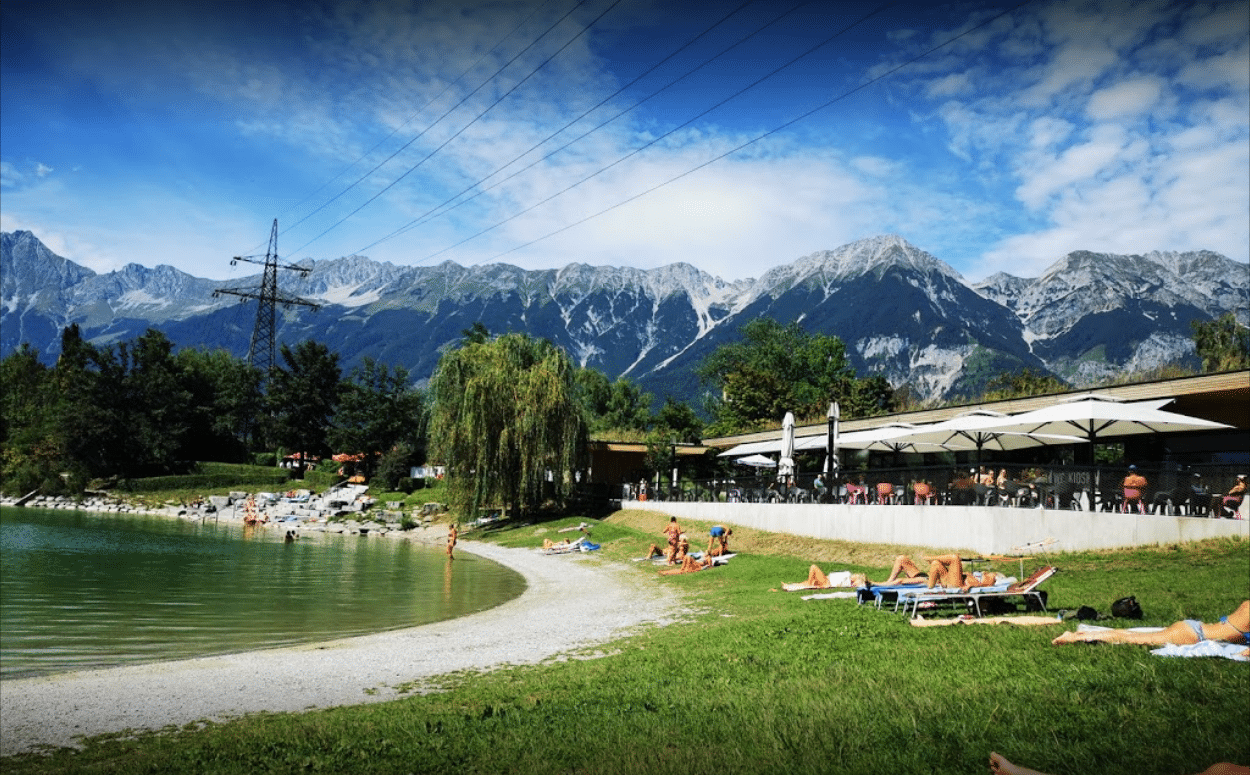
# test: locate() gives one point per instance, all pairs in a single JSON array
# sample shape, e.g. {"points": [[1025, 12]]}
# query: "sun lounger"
{"points": [[1027, 589]]}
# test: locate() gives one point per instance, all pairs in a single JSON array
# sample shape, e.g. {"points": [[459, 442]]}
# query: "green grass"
{"points": [[761, 681]]}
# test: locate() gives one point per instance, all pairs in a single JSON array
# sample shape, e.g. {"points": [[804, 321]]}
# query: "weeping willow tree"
{"points": [[506, 423]]}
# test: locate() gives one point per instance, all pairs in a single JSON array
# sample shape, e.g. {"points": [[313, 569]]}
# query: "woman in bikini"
{"points": [[1234, 628]]}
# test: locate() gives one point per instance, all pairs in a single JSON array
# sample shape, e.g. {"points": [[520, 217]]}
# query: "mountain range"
{"points": [[901, 312]]}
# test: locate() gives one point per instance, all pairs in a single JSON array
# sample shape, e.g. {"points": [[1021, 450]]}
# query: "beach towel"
{"points": [[1204, 648], [831, 596], [1022, 621]]}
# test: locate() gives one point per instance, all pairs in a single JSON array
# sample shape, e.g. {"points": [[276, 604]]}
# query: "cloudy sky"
{"points": [[735, 137]]}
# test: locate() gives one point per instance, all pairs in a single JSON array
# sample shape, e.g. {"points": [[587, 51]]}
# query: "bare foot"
{"points": [[1000, 766], [1067, 637]]}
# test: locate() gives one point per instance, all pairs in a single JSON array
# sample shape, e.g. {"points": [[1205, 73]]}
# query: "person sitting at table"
{"points": [[963, 490], [1134, 486], [1231, 500]]}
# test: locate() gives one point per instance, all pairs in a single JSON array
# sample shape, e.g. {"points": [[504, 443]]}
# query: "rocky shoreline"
{"points": [[359, 516]]}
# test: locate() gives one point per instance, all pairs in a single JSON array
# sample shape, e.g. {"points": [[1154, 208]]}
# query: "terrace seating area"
{"points": [[1170, 490]]}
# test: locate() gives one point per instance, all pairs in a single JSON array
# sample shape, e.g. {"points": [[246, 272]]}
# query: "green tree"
{"points": [[303, 397], [1223, 344], [612, 406], [30, 457], [156, 402], [1026, 382], [378, 410], [677, 420], [776, 368], [506, 422], [226, 404]]}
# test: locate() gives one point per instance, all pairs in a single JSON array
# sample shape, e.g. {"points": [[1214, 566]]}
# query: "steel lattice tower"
{"points": [[261, 352]]}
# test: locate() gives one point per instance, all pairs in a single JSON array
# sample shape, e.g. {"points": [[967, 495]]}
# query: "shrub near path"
{"points": [[762, 681]]}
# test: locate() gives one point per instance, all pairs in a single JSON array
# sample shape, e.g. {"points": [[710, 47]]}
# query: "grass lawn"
{"points": [[761, 681]]}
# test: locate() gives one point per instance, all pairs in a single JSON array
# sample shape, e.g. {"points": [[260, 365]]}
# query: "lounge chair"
{"points": [[1026, 589]]}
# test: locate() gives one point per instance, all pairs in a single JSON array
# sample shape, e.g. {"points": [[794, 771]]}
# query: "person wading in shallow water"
{"points": [[452, 535]]}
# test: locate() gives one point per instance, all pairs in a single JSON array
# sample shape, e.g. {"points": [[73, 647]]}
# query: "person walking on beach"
{"points": [[452, 535]]}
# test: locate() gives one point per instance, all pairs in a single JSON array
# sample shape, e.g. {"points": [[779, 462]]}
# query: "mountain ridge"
{"points": [[902, 312]]}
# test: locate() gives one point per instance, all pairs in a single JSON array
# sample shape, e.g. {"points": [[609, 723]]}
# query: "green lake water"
{"points": [[82, 590]]}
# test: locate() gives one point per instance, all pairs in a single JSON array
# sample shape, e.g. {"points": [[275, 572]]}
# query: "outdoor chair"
{"points": [[924, 493], [856, 493], [1132, 498], [1066, 496], [1027, 589], [885, 493]]}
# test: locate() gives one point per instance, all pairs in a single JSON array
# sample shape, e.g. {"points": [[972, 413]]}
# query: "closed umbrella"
{"points": [[785, 466]]}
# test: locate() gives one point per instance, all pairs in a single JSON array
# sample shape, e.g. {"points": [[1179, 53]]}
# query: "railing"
{"points": [[1170, 489]]}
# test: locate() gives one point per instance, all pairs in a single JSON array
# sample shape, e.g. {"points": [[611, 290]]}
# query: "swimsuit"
{"points": [[1196, 626], [1244, 635]]}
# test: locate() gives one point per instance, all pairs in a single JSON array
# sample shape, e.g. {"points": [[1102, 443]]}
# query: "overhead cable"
{"points": [[475, 119], [754, 140]]}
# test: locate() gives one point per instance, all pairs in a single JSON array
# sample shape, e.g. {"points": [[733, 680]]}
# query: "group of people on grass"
{"points": [[677, 548]]}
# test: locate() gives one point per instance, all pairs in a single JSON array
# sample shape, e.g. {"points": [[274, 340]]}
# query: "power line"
{"points": [[645, 146], [443, 208], [750, 142], [475, 119], [428, 102]]}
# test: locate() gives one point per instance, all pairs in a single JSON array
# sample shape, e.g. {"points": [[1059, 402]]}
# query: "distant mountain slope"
{"points": [[902, 312]]}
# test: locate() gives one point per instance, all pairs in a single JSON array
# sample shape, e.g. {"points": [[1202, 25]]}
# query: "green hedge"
{"points": [[274, 478]]}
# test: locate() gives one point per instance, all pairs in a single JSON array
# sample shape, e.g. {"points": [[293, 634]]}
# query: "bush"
{"points": [[406, 485], [269, 459]]}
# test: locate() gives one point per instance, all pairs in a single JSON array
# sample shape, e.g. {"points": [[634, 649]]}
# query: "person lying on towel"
{"points": [[1234, 628], [690, 565]]}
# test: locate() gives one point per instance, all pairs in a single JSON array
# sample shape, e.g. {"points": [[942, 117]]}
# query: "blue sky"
{"points": [[175, 132]]}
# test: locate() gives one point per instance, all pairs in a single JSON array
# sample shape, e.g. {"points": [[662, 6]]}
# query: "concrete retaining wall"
{"points": [[982, 529]]}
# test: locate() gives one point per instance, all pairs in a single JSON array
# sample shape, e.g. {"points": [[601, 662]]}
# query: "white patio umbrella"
{"points": [[983, 429], [785, 466], [1090, 417], [756, 461], [891, 437], [1093, 417]]}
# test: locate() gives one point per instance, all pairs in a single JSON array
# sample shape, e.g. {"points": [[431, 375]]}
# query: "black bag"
{"points": [[1126, 608], [1085, 612]]}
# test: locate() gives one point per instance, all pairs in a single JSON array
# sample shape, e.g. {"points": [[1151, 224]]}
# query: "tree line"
{"points": [[508, 415]]}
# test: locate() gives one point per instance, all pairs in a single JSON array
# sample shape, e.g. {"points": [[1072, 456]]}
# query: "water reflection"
{"points": [[84, 590]]}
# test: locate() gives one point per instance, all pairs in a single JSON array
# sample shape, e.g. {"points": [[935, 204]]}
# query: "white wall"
{"points": [[982, 529]]}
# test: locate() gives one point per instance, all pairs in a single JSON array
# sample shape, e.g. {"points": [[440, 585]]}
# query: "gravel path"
{"points": [[571, 602]]}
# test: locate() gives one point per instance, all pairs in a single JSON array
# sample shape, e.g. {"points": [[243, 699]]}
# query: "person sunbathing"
{"points": [[947, 570], [689, 565], [1234, 628], [1000, 766], [944, 570], [903, 566]]}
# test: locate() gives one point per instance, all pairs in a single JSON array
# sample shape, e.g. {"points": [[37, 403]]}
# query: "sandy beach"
{"points": [[571, 603]]}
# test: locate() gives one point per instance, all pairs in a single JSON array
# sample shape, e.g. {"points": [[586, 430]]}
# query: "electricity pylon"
{"points": [[261, 352]]}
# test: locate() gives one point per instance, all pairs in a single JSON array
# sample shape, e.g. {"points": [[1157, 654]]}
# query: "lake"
{"points": [[82, 590]]}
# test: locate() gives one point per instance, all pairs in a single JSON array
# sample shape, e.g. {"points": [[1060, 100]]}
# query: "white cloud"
{"points": [[1126, 99], [10, 175]]}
